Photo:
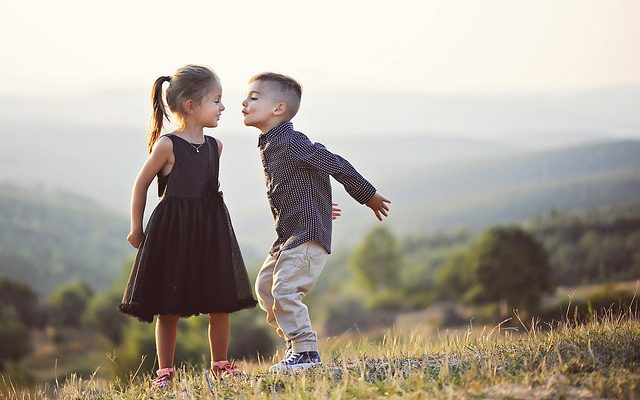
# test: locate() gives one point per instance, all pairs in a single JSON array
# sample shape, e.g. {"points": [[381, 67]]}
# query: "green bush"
{"points": [[68, 303], [138, 347], [17, 374], [102, 313], [387, 300], [23, 299], [54, 334], [15, 338]]}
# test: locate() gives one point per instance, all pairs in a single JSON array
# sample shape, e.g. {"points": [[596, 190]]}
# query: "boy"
{"points": [[297, 173]]}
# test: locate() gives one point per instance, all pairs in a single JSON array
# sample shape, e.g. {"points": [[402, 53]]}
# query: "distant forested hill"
{"points": [[48, 238], [489, 185], [510, 189], [101, 162]]}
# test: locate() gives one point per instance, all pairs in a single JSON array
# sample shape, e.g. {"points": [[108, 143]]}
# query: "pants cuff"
{"points": [[304, 346]]}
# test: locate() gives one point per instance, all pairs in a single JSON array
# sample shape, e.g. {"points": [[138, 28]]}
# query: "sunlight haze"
{"points": [[67, 48]]}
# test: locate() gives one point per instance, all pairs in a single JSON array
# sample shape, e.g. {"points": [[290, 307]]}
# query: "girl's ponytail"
{"points": [[158, 112]]}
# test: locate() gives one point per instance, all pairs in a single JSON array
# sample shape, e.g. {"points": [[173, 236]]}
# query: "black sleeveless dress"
{"points": [[189, 261]]}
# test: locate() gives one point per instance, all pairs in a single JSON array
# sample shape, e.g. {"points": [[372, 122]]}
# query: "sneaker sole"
{"points": [[296, 367]]}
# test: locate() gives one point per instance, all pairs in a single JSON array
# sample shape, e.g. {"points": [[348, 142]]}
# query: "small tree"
{"points": [[15, 339], [102, 313], [455, 277], [23, 299], [377, 260], [137, 344], [511, 268], [68, 303]]}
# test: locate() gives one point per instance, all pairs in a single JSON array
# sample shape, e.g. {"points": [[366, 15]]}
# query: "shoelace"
{"points": [[289, 350], [292, 357]]}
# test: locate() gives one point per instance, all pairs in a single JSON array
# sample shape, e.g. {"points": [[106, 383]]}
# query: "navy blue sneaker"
{"points": [[297, 361]]}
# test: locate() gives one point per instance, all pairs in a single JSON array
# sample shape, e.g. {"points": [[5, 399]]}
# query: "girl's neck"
{"points": [[192, 133]]}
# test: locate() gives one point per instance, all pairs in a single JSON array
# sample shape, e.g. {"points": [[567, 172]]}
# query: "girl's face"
{"points": [[208, 112]]}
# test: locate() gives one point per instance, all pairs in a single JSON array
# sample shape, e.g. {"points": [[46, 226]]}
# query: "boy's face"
{"points": [[259, 107]]}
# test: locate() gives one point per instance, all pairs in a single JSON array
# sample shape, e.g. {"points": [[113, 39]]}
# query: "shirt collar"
{"points": [[274, 132]]}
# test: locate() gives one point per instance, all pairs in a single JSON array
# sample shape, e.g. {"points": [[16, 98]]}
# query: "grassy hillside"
{"points": [[48, 238], [597, 360]]}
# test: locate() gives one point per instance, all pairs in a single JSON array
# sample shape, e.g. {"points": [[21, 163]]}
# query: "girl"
{"points": [[188, 259]]}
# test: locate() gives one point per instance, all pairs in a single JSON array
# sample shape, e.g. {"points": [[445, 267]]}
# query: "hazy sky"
{"points": [[72, 47]]}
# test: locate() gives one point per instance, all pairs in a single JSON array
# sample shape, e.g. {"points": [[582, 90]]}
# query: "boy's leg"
{"points": [[295, 273], [264, 283]]}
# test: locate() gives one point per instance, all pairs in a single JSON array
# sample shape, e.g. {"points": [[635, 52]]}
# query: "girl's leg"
{"points": [[219, 330], [166, 331]]}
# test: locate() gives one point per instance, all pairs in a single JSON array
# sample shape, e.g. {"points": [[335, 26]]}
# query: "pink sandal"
{"points": [[220, 370], [224, 368], [164, 378]]}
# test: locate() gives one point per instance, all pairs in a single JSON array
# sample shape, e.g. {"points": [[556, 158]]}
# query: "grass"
{"points": [[599, 359], [78, 353]]}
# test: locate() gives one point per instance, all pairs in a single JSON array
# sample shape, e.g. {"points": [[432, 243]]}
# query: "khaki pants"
{"points": [[280, 286]]}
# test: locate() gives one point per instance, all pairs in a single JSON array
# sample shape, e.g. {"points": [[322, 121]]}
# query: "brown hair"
{"points": [[189, 82], [285, 89]]}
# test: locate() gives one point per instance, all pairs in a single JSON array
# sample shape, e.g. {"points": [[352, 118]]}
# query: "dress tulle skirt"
{"points": [[189, 262]]}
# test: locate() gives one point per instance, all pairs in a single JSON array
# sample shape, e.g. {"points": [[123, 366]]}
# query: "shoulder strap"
{"points": [[169, 135], [213, 161]]}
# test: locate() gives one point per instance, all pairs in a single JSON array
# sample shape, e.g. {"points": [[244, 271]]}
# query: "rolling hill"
{"points": [[48, 238], [509, 189], [53, 236], [444, 161]]}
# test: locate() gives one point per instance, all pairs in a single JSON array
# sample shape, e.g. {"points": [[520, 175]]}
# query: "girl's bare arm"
{"points": [[161, 156]]}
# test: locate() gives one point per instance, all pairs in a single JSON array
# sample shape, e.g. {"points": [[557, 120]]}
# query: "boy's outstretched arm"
{"points": [[316, 156], [378, 203]]}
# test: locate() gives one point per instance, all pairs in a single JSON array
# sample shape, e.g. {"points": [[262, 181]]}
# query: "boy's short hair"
{"points": [[286, 89]]}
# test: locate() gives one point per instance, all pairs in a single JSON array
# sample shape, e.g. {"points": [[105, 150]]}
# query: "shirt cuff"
{"points": [[364, 193]]}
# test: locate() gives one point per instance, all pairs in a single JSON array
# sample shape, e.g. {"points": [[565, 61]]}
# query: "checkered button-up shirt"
{"points": [[296, 173]]}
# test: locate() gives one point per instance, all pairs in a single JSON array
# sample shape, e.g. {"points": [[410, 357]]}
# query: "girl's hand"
{"points": [[335, 211], [377, 204], [135, 238]]}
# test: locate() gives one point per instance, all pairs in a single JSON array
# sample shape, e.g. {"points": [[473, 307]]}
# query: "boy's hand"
{"points": [[135, 238], [377, 204], [335, 211]]}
